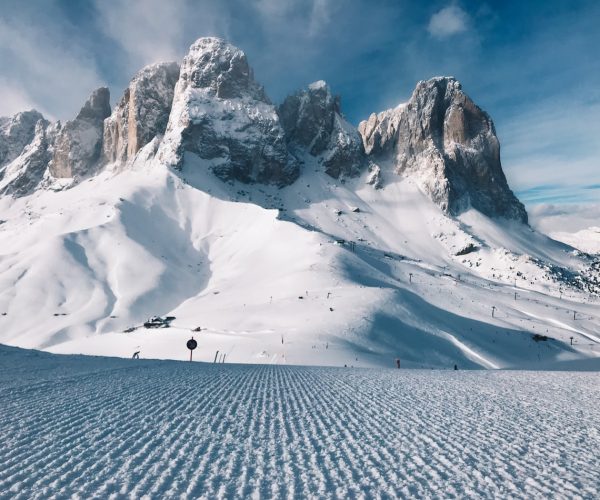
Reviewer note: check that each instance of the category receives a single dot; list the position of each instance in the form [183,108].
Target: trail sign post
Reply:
[191,345]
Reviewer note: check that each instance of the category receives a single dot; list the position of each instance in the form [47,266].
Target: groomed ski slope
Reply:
[72,426]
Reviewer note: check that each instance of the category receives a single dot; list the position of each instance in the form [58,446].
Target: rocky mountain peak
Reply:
[212,63]
[16,132]
[443,140]
[78,145]
[313,122]
[142,113]
[96,108]
[308,117]
[222,117]
[26,172]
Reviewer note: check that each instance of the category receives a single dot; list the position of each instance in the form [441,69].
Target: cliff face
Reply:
[448,145]
[78,145]
[16,133]
[313,123]
[223,116]
[142,112]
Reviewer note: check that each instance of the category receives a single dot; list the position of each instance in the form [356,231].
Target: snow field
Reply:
[113,428]
[252,265]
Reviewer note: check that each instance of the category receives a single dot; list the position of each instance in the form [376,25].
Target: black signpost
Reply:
[191,345]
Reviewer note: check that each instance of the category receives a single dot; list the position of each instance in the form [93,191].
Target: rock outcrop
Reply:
[142,112]
[78,146]
[16,133]
[223,117]
[448,145]
[26,172]
[313,122]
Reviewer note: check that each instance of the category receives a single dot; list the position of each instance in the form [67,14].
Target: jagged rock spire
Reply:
[313,122]
[142,112]
[443,140]
[223,117]
[78,145]
[15,133]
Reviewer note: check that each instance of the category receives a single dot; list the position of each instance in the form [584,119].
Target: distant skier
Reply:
[136,355]
[397,362]
[456,367]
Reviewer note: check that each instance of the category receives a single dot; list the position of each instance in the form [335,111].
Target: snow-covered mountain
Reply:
[283,232]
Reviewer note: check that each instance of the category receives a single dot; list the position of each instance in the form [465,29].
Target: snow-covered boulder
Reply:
[79,144]
[222,115]
[313,122]
[442,139]
[142,112]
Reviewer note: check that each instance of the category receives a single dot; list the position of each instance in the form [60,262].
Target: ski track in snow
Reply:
[113,428]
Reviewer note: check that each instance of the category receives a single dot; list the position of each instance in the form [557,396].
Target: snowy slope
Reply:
[75,427]
[270,276]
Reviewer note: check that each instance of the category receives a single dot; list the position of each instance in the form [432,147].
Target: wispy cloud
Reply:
[559,193]
[553,142]
[320,16]
[570,218]
[14,98]
[447,22]
[147,30]
[42,70]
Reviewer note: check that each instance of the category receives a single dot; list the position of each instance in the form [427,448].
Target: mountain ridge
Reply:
[466,174]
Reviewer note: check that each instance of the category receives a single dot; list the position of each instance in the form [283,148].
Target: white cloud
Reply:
[147,30]
[449,21]
[273,10]
[569,218]
[310,17]
[150,31]
[319,16]
[552,142]
[14,99]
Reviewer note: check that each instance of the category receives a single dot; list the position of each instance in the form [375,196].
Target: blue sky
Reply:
[533,65]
